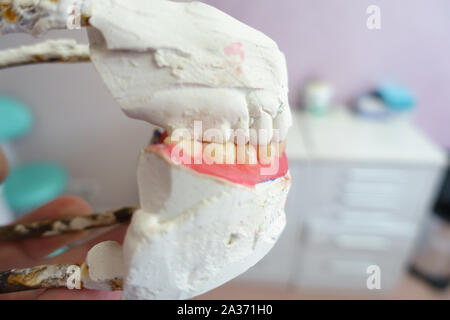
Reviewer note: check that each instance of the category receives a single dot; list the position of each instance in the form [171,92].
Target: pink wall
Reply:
[329,38]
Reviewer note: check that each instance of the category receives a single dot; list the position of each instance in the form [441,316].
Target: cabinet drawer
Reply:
[339,211]
[358,235]
[393,191]
[376,201]
[328,270]
[380,174]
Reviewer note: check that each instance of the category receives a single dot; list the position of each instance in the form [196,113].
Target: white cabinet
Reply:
[360,190]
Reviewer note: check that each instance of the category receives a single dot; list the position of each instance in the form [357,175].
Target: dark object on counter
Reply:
[432,260]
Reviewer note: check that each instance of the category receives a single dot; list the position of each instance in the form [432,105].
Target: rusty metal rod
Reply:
[52,276]
[70,276]
[47,228]
[50,51]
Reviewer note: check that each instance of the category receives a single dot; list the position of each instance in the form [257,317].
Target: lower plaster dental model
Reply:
[196,231]
[211,206]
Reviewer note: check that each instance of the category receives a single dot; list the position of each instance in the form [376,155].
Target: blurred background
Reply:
[368,151]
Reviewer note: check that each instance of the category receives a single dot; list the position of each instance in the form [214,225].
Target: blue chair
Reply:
[16,119]
[30,185]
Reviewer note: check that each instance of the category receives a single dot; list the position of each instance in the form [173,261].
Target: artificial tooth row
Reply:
[227,153]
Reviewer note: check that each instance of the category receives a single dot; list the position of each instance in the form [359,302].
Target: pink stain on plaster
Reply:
[235,49]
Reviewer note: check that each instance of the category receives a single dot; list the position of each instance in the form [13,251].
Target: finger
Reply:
[65,205]
[21,254]
[62,207]
[62,294]
[22,295]
[84,294]
[78,254]
[3,166]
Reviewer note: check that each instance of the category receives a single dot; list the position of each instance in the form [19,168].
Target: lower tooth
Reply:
[219,153]
[266,154]
[191,148]
[246,154]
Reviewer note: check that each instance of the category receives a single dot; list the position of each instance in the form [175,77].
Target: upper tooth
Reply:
[261,130]
[264,100]
[281,124]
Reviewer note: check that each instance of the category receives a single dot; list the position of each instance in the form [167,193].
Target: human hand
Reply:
[33,252]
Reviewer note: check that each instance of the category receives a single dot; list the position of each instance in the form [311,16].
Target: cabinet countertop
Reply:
[341,136]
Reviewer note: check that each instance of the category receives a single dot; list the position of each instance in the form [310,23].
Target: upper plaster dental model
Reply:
[173,63]
[200,224]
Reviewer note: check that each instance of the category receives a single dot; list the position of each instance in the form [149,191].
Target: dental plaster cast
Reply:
[171,64]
